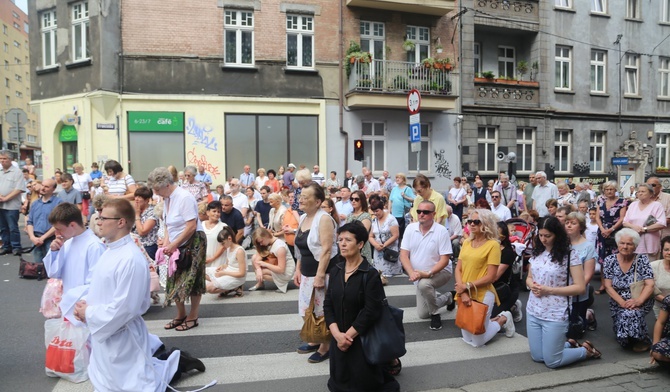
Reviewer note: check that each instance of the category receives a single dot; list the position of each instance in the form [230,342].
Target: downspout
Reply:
[121,72]
[341,92]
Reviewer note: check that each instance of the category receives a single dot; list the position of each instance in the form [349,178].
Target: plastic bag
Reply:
[68,352]
[53,292]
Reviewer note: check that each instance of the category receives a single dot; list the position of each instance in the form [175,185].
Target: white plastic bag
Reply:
[68,351]
[53,292]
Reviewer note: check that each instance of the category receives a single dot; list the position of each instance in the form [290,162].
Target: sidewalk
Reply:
[633,375]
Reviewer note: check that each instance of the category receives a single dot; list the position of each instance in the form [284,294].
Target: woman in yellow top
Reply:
[476,271]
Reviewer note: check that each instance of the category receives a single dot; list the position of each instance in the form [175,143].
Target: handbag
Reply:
[389,255]
[576,324]
[185,255]
[472,318]
[314,329]
[384,341]
[86,195]
[503,290]
[30,270]
[637,286]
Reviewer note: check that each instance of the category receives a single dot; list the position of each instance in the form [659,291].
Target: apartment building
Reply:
[567,85]
[15,79]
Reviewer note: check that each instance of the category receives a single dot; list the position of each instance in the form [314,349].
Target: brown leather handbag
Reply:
[314,329]
[472,318]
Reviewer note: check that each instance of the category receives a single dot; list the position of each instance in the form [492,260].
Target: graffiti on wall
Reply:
[202,134]
[192,158]
[441,164]
[47,166]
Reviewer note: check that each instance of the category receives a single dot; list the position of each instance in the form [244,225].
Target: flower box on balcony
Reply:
[530,83]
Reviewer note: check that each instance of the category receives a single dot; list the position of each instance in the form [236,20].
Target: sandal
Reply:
[394,370]
[175,323]
[186,326]
[239,292]
[573,343]
[595,354]
[601,290]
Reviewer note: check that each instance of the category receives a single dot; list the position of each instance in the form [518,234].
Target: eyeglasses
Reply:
[355,199]
[495,197]
[424,212]
[475,222]
[99,210]
[104,218]
[655,185]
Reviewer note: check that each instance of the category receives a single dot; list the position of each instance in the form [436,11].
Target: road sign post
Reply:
[413,106]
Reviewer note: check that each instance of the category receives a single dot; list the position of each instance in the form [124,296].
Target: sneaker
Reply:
[517,312]
[317,358]
[452,305]
[257,287]
[509,324]
[435,322]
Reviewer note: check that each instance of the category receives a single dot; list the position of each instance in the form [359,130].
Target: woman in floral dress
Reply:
[609,217]
[660,350]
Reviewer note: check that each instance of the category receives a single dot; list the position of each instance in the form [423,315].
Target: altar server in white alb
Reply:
[121,347]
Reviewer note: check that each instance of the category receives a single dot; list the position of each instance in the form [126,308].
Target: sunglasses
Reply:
[424,212]
[495,197]
[475,222]
[355,199]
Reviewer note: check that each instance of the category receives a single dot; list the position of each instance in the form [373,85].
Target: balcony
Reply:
[509,93]
[385,84]
[492,11]
[425,7]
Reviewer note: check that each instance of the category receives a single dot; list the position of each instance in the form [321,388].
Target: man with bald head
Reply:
[39,230]
[203,176]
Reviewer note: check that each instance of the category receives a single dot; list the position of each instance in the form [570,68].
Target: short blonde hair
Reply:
[260,170]
[275,197]
[403,177]
[303,175]
[77,165]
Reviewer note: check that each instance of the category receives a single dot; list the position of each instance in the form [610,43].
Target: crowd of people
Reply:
[318,233]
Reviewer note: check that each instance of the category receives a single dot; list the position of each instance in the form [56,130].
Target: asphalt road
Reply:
[248,343]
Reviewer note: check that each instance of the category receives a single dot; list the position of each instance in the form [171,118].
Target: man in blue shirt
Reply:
[232,217]
[40,231]
[203,176]
[246,178]
[263,207]
[95,171]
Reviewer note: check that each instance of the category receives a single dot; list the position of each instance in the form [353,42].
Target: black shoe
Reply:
[4,251]
[16,252]
[188,363]
[435,322]
[452,305]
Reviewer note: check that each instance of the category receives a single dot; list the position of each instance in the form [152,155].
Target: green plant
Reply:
[488,74]
[534,70]
[400,83]
[408,45]
[364,82]
[428,62]
[353,48]
[435,86]
[522,68]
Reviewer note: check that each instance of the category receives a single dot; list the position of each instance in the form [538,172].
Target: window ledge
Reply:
[632,96]
[237,67]
[569,92]
[596,94]
[600,14]
[633,20]
[664,23]
[663,98]
[79,64]
[46,70]
[301,70]
[571,10]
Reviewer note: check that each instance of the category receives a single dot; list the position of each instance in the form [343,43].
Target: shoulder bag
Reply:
[314,329]
[384,341]
[637,286]
[389,255]
[472,318]
[576,324]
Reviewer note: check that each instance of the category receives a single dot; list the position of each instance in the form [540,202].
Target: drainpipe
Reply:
[120,73]
[341,98]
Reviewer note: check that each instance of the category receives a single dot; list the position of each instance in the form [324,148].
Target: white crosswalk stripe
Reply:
[287,365]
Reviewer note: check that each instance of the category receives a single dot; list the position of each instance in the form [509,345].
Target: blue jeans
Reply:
[40,251]
[9,229]
[548,344]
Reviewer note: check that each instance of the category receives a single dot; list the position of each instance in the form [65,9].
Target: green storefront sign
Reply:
[155,122]
[68,133]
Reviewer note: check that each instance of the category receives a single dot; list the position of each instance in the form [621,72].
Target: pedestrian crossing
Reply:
[248,343]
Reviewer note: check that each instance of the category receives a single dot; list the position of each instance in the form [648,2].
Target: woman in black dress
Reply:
[351,308]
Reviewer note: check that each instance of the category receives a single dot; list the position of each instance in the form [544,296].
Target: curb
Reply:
[557,378]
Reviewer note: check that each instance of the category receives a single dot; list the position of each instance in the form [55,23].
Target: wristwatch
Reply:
[430,273]
[645,229]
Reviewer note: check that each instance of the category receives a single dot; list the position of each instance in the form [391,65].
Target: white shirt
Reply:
[502,212]
[372,185]
[318,178]
[240,201]
[81,181]
[455,226]
[542,193]
[121,348]
[345,208]
[180,208]
[425,250]
[591,232]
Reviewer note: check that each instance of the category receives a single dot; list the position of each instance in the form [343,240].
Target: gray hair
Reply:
[504,177]
[541,174]
[7,153]
[160,177]
[649,188]
[303,175]
[626,232]
[191,169]
[610,184]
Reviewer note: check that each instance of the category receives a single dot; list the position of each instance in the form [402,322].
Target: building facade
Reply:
[15,79]
[566,100]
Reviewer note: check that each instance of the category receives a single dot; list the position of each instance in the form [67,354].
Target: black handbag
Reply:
[185,256]
[390,255]
[384,341]
[503,290]
[30,270]
[86,195]
[576,324]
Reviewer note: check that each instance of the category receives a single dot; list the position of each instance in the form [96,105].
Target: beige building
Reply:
[15,79]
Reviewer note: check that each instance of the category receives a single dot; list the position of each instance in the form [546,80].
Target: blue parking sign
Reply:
[414,133]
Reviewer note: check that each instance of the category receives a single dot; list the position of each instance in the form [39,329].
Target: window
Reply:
[239,37]
[525,146]
[563,3]
[665,11]
[80,31]
[48,32]
[421,38]
[662,156]
[6,64]
[597,151]
[6,100]
[506,61]
[17,61]
[598,71]
[5,47]
[6,82]
[478,58]
[14,14]
[563,67]
[374,144]
[487,147]
[19,94]
[300,41]
[632,74]
[599,6]
[665,77]
[17,44]
[32,138]
[425,156]
[4,29]
[16,26]
[372,39]
[633,9]
[562,140]
[18,77]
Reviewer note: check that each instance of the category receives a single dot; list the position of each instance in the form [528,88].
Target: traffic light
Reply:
[358,150]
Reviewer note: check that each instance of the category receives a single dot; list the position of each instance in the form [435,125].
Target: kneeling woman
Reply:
[232,275]
[351,307]
[272,261]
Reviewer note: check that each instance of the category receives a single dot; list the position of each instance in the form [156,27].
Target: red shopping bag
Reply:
[68,352]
